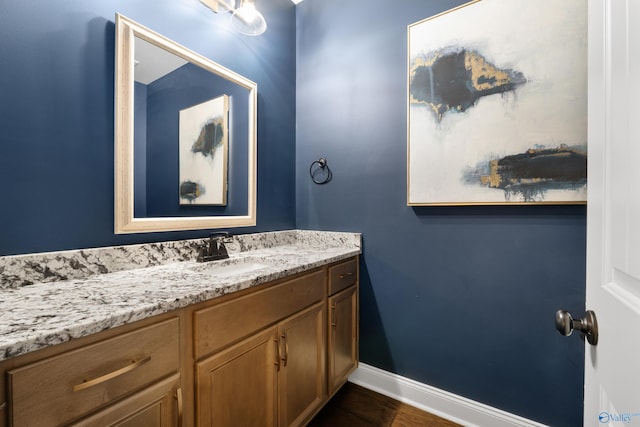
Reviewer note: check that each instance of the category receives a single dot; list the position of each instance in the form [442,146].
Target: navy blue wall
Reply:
[461,298]
[56,113]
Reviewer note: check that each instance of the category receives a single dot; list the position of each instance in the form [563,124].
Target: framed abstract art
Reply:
[497,104]
[203,139]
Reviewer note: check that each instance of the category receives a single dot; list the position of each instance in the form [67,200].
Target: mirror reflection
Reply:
[189,124]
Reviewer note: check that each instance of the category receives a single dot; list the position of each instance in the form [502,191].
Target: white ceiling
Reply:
[153,62]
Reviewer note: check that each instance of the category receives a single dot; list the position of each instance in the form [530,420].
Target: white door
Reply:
[612,367]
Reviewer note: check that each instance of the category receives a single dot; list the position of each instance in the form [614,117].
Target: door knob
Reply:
[565,324]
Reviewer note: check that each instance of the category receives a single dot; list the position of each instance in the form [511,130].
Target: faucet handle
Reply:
[222,236]
[215,250]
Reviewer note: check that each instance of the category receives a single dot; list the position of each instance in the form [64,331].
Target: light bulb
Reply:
[248,20]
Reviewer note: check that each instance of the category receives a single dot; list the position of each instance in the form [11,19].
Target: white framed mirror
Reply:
[185,127]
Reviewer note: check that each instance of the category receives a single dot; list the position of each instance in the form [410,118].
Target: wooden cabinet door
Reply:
[238,386]
[343,336]
[159,405]
[301,380]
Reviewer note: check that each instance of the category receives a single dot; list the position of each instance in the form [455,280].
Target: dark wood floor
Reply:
[355,406]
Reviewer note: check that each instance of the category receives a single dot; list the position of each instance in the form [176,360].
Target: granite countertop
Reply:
[39,314]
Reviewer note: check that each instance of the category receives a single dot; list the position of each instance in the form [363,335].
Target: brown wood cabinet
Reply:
[238,386]
[157,405]
[118,379]
[342,323]
[275,375]
[267,356]
[301,378]
[273,378]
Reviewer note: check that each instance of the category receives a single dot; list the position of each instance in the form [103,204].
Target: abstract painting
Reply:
[497,104]
[203,154]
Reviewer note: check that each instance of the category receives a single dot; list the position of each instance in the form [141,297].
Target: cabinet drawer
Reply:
[222,324]
[156,405]
[62,388]
[343,275]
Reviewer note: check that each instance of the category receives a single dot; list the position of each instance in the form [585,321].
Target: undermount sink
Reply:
[227,268]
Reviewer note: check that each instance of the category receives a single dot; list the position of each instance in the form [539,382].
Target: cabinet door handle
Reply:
[180,406]
[278,354]
[286,350]
[90,383]
[333,314]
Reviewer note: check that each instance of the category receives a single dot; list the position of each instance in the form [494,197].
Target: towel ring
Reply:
[322,165]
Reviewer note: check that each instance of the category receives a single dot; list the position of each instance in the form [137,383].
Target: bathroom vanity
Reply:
[265,337]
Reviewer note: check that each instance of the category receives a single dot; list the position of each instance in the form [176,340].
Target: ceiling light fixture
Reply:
[245,19]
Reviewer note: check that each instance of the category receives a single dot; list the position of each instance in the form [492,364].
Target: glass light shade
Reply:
[247,20]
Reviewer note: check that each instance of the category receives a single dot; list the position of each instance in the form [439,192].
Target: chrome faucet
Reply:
[216,249]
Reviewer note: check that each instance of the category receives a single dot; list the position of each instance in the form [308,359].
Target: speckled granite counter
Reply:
[47,299]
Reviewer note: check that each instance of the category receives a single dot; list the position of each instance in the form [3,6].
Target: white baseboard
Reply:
[438,402]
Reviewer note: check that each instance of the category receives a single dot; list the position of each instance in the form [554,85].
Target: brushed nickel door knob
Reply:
[588,326]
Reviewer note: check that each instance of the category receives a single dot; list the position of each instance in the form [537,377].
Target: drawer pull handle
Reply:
[342,276]
[278,356]
[3,405]
[333,314]
[114,374]
[286,350]
[180,407]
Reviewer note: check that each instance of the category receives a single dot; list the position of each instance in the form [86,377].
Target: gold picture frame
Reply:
[497,104]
